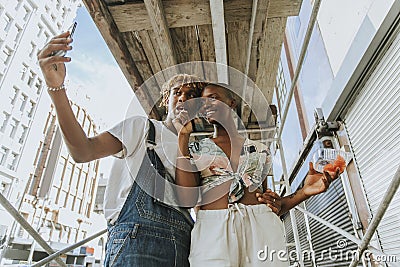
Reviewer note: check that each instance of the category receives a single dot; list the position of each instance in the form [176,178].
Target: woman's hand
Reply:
[182,123]
[271,199]
[316,183]
[53,67]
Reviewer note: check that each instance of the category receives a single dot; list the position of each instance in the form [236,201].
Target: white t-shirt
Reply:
[133,132]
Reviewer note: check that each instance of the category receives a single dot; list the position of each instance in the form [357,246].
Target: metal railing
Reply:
[35,235]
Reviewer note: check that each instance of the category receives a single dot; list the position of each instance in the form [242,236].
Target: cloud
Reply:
[101,88]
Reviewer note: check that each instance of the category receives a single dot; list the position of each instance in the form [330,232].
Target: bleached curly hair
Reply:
[178,81]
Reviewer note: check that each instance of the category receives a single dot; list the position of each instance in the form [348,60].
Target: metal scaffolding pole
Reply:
[18,217]
[313,19]
[291,212]
[390,192]
[338,230]
[67,249]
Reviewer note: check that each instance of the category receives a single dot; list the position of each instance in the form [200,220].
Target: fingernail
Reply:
[257,194]
[259,199]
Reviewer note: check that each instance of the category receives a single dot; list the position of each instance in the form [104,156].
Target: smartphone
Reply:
[71,30]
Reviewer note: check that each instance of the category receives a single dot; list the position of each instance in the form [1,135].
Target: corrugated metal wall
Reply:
[330,248]
[373,125]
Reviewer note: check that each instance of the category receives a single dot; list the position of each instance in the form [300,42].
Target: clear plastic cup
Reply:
[323,156]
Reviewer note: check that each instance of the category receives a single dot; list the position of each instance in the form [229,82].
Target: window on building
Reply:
[40,30]
[12,161]
[3,188]
[3,155]
[64,12]
[66,179]
[39,86]
[19,2]
[31,109]
[7,22]
[58,4]
[14,95]
[70,202]
[47,35]
[24,132]
[75,179]
[47,9]
[32,53]
[62,197]
[27,13]
[78,204]
[6,54]
[18,31]
[4,123]
[31,79]
[24,70]
[13,127]
[24,100]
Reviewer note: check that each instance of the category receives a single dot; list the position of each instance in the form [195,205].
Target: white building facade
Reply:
[26,25]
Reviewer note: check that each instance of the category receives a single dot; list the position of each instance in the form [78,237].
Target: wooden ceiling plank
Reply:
[150,87]
[237,36]
[181,13]
[186,45]
[109,30]
[159,24]
[206,41]
[152,57]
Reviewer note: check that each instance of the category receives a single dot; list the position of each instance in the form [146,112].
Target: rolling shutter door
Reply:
[330,206]
[373,125]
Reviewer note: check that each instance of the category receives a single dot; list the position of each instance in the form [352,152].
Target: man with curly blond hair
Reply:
[142,230]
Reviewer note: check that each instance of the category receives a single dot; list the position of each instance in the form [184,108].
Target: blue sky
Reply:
[95,79]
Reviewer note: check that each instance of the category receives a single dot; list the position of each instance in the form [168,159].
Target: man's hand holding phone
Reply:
[71,31]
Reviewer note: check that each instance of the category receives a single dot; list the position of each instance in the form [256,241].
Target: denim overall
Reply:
[147,232]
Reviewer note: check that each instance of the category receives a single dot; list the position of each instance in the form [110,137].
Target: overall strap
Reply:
[159,184]
[151,137]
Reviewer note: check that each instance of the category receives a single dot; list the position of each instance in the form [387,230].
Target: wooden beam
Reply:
[218,25]
[109,30]
[150,86]
[270,52]
[159,24]
[207,51]
[187,49]
[182,13]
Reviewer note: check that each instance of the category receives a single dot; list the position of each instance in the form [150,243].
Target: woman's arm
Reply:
[81,148]
[314,184]
[186,175]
